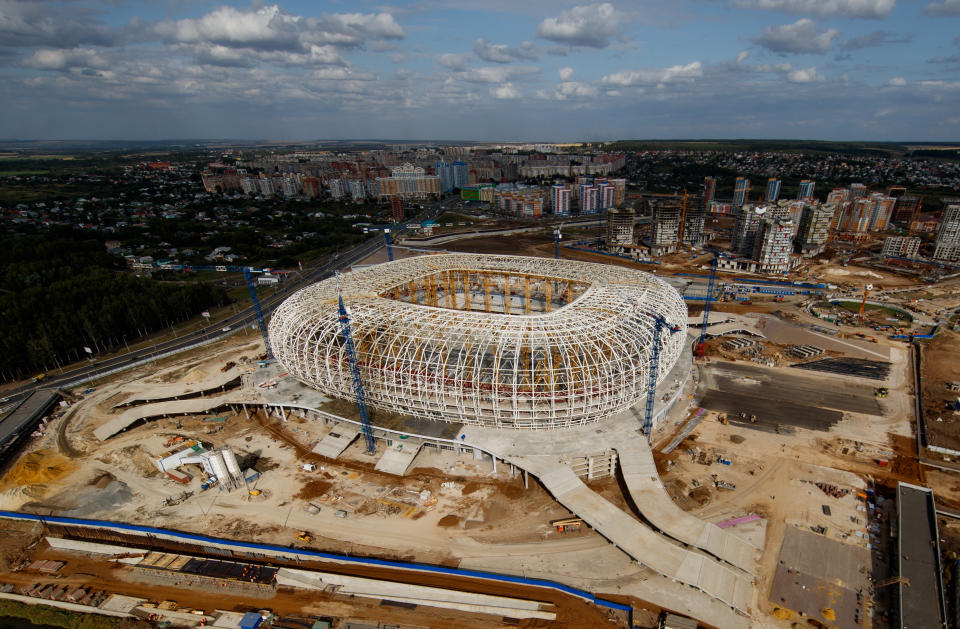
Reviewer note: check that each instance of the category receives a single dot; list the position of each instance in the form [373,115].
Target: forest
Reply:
[60,293]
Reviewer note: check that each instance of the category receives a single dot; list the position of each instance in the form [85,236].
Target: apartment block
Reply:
[619,227]
[813,231]
[947,243]
[901,247]
[745,226]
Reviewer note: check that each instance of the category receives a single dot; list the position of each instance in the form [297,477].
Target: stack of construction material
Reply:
[738,343]
[805,351]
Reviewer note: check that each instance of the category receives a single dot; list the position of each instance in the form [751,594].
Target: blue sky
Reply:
[508,70]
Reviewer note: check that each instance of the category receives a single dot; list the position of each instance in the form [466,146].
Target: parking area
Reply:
[821,579]
[784,398]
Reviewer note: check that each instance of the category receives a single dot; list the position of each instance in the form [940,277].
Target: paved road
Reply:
[242,318]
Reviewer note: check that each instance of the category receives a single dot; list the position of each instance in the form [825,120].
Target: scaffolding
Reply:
[486,340]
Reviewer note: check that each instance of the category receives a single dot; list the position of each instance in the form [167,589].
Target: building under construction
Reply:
[665,215]
[619,227]
[464,338]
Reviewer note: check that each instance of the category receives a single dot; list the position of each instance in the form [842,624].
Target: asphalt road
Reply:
[242,318]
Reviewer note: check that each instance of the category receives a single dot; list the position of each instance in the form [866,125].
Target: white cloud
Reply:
[875,9]
[742,56]
[805,75]
[897,81]
[947,7]
[573,89]
[48,59]
[502,53]
[498,74]
[453,61]
[655,76]
[272,28]
[591,25]
[504,92]
[803,36]
[565,73]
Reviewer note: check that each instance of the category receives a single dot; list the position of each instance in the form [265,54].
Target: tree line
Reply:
[60,295]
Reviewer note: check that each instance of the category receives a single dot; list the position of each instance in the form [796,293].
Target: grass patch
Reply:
[854,306]
[47,615]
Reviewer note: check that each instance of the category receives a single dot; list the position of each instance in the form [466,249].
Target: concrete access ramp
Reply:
[722,582]
[337,440]
[220,381]
[398,457]
[654,503]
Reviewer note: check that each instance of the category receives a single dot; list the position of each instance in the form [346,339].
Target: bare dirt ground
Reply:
[940,366]
[91,572]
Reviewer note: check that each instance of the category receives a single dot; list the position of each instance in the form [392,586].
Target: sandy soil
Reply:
[940,366]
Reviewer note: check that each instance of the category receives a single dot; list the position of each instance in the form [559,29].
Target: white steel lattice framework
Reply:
[490,340]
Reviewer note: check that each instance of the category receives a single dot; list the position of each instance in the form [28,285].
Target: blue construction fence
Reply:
[253,546]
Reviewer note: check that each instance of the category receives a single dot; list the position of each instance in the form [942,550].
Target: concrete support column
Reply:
[494,463]
[477,454]
[526,480]
[590,464]
[513,470]
[245,413]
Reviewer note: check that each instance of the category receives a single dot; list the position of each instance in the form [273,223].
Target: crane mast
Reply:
[658,324]
[701,342]
[355,371]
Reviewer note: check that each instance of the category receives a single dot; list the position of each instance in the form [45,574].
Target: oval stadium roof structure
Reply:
[489,340]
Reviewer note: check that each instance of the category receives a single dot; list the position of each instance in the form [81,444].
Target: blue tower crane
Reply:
[701,342]
[386,237]
[355,370]
[658,324]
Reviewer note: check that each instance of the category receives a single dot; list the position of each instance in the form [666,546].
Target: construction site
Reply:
[479,439]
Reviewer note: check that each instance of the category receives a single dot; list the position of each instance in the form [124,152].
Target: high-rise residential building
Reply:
[694,222]
[741,189]
[620,191]
[445,173]
[947,243]
[606,195]
[745,226]
[619,227]
[805,190]
[773,190]
[906,208]
[358,191]
[311,187]
[461,176]
[589,199]
[773,245]
[901,247]
[709,190]
[881,211]
[856,216]
[857,190]
[519,201]
[664,224]
[408,181]
[337,188]
[814,229]
[560,200]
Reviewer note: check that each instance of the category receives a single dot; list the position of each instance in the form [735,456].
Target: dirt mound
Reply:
[314,489]
[449,520]
[470,487]
[194,376]
[41,466]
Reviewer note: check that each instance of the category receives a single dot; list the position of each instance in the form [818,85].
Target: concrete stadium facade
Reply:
[502,341]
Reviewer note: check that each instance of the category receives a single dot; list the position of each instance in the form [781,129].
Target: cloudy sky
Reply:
[545,70]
